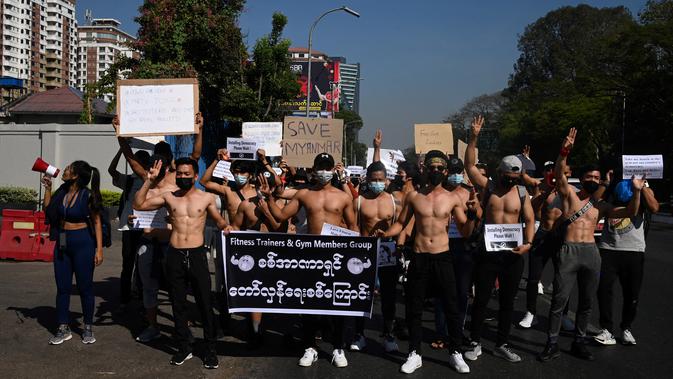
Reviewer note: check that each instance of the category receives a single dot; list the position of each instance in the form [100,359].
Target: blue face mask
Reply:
[241,180]
[377,187]
[455,179]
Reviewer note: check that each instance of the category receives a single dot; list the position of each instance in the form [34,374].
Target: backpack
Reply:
[105,224]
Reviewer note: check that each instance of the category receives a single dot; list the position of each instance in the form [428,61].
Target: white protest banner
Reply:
[500,237]
[389,158]
[268,135]
[433,137]
[333,230]
[462,148]
[157,107]
[650,165]
[150,219]
[355,171]
[241,148]
[223,171]
[387,255]
[304,138]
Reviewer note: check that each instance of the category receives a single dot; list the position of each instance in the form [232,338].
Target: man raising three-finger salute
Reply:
[579,259]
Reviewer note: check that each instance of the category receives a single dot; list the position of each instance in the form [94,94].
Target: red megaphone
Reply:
[46,168]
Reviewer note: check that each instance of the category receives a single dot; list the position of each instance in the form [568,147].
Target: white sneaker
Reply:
[390,345]
[358,344]
[627,338]
[474,351]
[506,353]
[456,361]
[540,288]
[339,358]
[414,362]
[309,357]
[528,320]
[605,338]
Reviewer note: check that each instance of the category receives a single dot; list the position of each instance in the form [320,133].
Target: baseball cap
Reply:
[455,166]
[323,161]
[510,163]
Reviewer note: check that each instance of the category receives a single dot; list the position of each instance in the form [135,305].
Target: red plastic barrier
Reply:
[24,236]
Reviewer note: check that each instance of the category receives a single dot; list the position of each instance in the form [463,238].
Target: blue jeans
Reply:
[77,257]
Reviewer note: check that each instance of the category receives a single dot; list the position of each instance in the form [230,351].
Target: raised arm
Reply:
[198,138]
[471,154]
[634,205]
[562,185]
[136,167]
[651,202]
[466,217]
[112,170]
[378,138]
[140,201]
[206,179]
[281,215]
[264,161]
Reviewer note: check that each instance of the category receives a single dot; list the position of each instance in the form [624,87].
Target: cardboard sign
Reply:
[241,148]
[462,148]
[387,254]
[157,107]
[389,158]
[433,137]
[150,219]
[503,237]
[223,171]
[304,138]
[268,135]
[650,165]
[333,230]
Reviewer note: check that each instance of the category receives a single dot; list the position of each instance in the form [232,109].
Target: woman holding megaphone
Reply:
[73,215]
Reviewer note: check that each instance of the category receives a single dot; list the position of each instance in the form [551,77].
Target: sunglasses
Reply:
[436,168]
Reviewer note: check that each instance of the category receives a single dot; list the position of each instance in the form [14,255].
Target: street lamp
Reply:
[310,34]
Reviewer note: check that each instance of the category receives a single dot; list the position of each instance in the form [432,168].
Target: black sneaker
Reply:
[210,361]
[551,351]
[579,349]
[180,357]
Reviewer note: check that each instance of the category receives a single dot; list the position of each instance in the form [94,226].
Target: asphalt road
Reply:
[27,315]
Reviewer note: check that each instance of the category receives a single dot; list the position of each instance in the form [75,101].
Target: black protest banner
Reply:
[300,274]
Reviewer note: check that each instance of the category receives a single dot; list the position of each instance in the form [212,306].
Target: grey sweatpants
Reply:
[579,262]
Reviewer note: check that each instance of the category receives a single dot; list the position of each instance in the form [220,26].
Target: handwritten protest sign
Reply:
[389,158]
[223,171]
[462,148]
[433,137]
[157,107]
[304,138]
[499,237]
[150,219]
[334,230]
[355,171]
[650,165]
[268,135]
[240,148]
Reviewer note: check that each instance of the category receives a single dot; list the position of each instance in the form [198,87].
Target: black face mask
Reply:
[590,186]
[436,177]
[508,182]
[184,184]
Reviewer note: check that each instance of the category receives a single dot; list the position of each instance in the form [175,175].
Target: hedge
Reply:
[17,195]
[110,198]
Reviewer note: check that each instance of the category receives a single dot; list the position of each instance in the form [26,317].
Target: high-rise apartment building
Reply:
[349,81]
[38,43]
[100,43]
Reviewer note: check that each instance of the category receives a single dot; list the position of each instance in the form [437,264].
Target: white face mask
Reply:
[324,176]
[241,180]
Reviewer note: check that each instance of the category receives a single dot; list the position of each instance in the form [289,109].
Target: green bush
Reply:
[17,195]
[110,198]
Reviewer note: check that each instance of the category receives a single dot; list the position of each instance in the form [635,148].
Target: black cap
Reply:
[323,161]
[455,166]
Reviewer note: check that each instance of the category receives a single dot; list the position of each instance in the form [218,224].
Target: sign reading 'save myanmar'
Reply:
[306,137]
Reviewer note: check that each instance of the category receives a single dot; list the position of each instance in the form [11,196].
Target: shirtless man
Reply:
[186,256]
[376,209]
[504,201]
[431,262]
[579,259]
[323,204]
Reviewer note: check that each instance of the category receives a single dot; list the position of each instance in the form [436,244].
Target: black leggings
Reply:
[627,267]
[507,267]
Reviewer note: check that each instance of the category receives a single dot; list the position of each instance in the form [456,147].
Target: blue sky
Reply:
[421,60]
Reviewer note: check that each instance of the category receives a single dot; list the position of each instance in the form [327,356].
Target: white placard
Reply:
[278,171]
[333,230]
[355,171]
[499,237]
[389,158]
[150,219]
[650,165]
[223,171]
[387,255]
[241,148]
[160,109]
[267,134]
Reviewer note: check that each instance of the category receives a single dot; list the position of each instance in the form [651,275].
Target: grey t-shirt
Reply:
[624,234]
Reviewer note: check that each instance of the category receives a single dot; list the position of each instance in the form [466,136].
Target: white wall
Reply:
[59,145]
